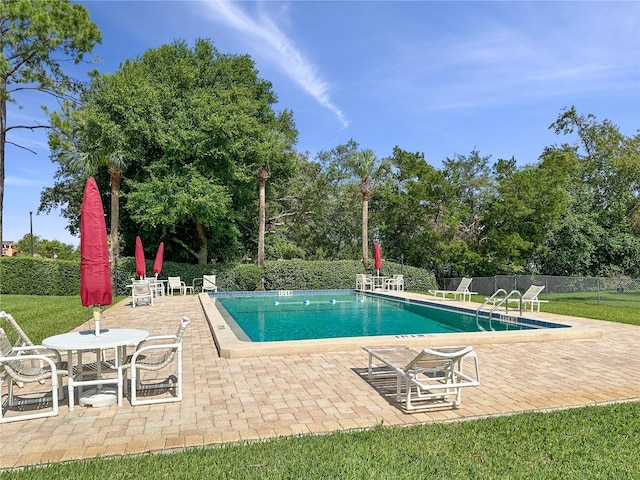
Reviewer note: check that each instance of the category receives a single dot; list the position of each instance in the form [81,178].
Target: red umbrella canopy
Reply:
[377,256]
[157,265]
[141,266]
[95,277]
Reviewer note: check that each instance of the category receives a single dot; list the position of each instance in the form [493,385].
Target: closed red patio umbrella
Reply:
[95,276]
[141,266]
[377,257]
[157,265]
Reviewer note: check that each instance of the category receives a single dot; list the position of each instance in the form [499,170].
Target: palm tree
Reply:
[365,166]
[263,176]
[276,158]
[115,163]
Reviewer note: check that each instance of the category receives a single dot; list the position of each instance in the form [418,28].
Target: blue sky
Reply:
[441,78]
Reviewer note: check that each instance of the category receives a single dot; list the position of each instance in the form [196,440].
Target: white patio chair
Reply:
[141,292]
[174,283]
[23,340]
[153,355]
[363,282]
[395,283]
[209,283]
[20,368]
[157,287]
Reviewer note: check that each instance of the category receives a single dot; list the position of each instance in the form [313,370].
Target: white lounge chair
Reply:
[141,292]
[426,378]
[461,292]
[174,283]
[20,367]
[153,355]
[530,297]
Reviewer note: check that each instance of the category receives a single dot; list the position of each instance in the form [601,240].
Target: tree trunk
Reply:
[365,230]
[3,139]
[114,251]
[204,246]
[263,175]
[178,241]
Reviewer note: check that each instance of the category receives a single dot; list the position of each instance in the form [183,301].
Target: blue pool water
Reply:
[335,314]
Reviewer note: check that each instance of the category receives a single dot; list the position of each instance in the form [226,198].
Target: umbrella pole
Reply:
[97,315]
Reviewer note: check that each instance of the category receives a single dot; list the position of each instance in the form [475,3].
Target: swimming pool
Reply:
[307,315]
[233,342]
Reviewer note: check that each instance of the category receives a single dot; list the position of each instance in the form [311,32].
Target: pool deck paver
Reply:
[230,400]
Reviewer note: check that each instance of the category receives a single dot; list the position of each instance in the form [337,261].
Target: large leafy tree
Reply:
[599,234]
[179,200]
[193,128]
[47,248]
[471,179]
[314,216]
[528,202]
[608,164]
[419,213]
[36,38]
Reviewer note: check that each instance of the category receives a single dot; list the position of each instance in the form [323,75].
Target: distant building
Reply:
[9,249]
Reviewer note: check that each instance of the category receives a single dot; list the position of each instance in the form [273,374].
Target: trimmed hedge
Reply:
[38,276]
[318,275]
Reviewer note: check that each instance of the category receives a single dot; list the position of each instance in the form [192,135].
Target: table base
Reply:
[98,398]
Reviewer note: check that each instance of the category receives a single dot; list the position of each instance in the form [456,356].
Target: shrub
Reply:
[38,276]
[26,275]
[340,274]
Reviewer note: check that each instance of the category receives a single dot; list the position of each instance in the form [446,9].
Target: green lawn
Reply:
[599,442]
[40,316]
[592,442]
[620,310]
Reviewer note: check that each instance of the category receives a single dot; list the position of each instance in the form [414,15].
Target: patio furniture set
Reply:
[60,357]
[379,283]
[143,291]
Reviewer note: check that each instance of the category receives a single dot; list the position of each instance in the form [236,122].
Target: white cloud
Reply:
[274,44]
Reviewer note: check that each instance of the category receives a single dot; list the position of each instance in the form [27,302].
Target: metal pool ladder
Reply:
[503,301]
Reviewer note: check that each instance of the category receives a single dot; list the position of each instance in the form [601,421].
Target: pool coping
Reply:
[229,345]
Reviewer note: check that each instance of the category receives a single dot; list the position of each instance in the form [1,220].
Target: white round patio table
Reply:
[109,338]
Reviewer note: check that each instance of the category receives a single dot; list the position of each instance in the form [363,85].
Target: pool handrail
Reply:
[503,301]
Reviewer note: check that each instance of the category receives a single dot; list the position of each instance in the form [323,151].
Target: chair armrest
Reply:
[164,346]
[23,358]
[154,338]
[28,348]
[158,337]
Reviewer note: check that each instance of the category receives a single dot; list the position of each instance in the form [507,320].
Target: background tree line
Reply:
[188,148]
[574,212]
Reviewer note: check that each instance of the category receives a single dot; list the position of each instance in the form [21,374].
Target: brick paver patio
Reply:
[228,400]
